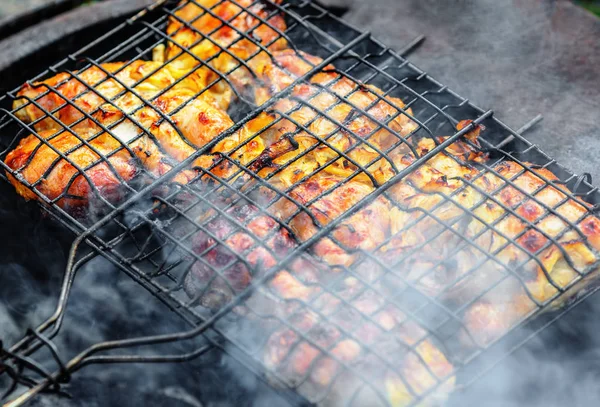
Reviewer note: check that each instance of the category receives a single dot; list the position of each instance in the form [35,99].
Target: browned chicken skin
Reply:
[195,120]
[227,25]
[125,150]
[59,178]
[92,87]
[106,104]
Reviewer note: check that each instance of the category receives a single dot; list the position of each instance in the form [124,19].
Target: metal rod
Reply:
[526,127]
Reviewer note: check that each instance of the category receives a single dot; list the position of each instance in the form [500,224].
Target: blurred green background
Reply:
[591,5]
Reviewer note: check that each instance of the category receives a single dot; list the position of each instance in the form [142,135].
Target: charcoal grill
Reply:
[140,235]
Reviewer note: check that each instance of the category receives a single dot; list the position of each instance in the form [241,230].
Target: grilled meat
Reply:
[442,185]
[331,198]
[106,161]
[331,115]
[132,145]
[228,28]
[198,120]
[92,87]
[350,336]
[453,227]
[329,106]
[233,248]
[197,123]
[59,179]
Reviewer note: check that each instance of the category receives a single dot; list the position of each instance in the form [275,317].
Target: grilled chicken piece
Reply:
[445,204]
[325,198]
[57,179]
[228,27]
[232,255]
[341,341]
[193,122]
[125,150]
[198,120]
[329,108]
[329,115]
[539,266]
[147,79]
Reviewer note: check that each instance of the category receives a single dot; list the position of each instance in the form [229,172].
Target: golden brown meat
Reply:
[199,119]
[195,122]
[331,115]
[328,107]
[448,217]
[327,198]
[228,27]
[435,228]
[539,266]
[140,75]
[364,340]
[58,179]
[37,163]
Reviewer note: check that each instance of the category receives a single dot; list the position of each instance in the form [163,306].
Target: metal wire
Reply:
[181,244]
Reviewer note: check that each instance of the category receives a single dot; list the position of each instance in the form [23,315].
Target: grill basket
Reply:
[407,305]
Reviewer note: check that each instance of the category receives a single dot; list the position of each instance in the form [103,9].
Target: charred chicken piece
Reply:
[362,351]
[232,255]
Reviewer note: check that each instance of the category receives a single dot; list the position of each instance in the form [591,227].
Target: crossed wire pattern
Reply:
[338,217]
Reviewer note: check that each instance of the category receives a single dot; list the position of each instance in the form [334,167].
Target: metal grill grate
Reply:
[363,242]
